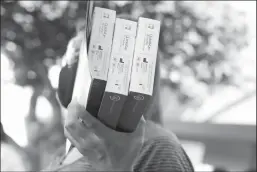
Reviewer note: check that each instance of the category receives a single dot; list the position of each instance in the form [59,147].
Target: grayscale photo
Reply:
[135,86]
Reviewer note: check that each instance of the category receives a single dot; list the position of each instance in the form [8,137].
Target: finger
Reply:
[74,130]
[73,113]
[141,123]
[85,141]
[78,114]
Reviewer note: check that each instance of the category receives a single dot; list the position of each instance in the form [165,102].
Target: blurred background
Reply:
[207,52]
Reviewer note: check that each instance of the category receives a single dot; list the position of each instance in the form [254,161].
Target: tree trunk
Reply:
[33,131]
[57,121]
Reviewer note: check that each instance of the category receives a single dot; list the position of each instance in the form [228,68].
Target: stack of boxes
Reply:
[121,60]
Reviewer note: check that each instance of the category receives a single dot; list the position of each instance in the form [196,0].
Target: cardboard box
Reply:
[99,55]
[119,73]
[142,76]
[83,77]
[91,77]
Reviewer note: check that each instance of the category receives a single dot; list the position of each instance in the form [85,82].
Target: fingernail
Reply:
[84,123]
[81,121]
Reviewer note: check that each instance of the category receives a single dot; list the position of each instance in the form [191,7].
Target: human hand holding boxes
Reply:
[128,87]
[107,84]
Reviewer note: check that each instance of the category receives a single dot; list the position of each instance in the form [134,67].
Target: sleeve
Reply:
[80,165]
[163,154]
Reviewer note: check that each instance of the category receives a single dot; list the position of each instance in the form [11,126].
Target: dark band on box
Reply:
[95,96]
[133,109]
[110,109]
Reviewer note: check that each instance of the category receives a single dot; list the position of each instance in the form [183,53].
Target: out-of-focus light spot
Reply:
[49,52]
[53,75]
[2,11]
[46,8]
[27,27]
[19,18]
[187,21]
[177,60]
[54,11]
[36,42]
[194,37]
[11,35]
[174,76]
[59,61]
[30,5]
[15,102]
[48,62]
[7,73]
[163,72]
[28,18]
[165,6]
[31,74]
[187,48]
[63,4]
[10,46]
[168,22]
[121,3]
[11,160]
[44,110]
[73,5]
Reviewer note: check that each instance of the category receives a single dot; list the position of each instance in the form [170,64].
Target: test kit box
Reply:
[83,77]
[142,75]
[99,55]
[93,64]
[119,73]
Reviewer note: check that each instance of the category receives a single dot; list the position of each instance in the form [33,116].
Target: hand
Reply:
[112,149]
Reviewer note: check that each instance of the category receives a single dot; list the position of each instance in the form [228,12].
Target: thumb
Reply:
[79,135]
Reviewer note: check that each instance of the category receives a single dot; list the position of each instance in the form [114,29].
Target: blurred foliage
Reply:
[199,42]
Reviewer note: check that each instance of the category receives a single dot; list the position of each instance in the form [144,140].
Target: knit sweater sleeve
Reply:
[163,153]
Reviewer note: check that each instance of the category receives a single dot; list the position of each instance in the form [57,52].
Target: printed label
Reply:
[143,70]
[121,57]
[101,42]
